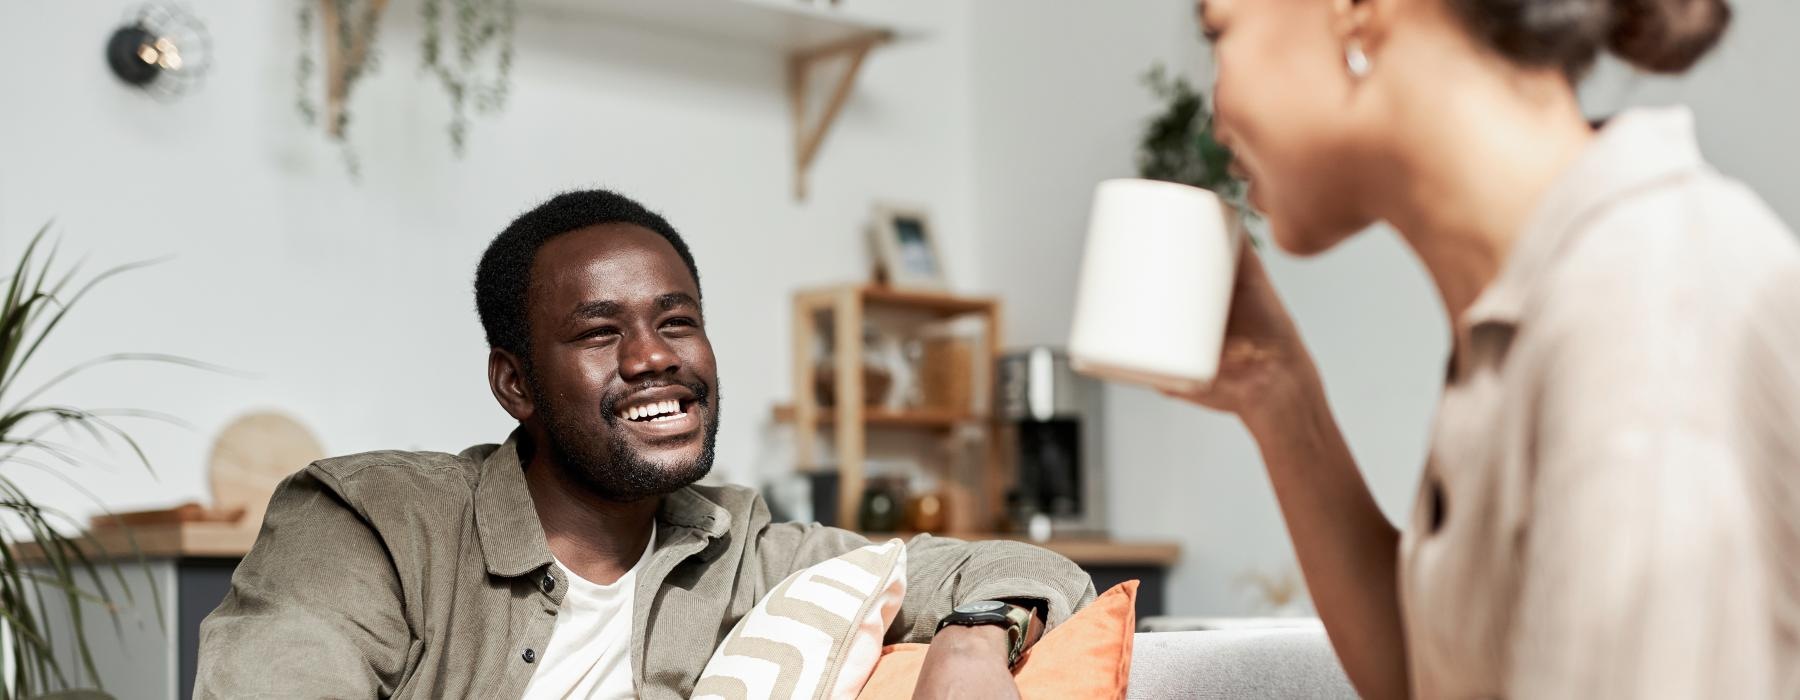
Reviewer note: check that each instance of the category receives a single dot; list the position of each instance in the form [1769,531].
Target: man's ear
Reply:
[506,377]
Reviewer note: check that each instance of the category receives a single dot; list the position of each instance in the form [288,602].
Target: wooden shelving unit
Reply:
[849,417]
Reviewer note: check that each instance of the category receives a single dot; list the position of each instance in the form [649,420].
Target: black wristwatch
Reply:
[1015,618]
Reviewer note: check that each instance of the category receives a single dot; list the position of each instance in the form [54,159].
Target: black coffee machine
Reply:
[1053,421]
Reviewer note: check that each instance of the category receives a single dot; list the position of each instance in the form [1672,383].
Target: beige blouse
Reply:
[1612,503]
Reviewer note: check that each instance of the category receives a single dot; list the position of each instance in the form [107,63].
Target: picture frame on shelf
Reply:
[907,255]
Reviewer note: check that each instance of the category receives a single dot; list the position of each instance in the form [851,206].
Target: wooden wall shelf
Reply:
[808,36]
[787,26]
[940,303]
[886,417]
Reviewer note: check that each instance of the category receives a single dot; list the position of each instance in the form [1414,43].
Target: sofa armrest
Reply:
[1254,663]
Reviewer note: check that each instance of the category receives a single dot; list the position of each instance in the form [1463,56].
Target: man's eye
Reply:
[600,332]
[682,321]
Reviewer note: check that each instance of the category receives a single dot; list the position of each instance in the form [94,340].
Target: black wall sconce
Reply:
[160,49]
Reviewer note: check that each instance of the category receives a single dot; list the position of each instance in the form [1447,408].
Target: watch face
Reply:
[980,606]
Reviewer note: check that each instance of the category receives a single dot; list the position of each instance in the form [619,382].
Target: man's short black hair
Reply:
[504,275]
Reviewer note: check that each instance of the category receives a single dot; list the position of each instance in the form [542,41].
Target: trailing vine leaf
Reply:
[469,50]
[350,37]
[477,78]
[306,66]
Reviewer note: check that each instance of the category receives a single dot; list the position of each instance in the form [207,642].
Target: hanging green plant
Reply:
[467,45]
[1178,144]
[477,70]
[349,28]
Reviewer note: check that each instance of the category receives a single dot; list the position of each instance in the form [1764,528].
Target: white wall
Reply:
[351,301]
[1058,108]
[1743,96]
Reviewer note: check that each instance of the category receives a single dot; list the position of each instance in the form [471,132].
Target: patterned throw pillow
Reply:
[816,635]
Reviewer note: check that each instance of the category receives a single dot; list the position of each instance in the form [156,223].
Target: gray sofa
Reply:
[1244,663]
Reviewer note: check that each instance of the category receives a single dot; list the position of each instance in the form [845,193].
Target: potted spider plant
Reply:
[39,561]
[1178,143]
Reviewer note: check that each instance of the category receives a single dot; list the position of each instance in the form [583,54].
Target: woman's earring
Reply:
[1356,60]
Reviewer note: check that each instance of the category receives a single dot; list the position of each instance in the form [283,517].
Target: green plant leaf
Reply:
[12,370]
[130,538]
[1178,144]
[110,359]
[36,300]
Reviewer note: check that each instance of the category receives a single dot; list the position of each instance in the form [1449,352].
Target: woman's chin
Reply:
[1301,237]
[1294,240]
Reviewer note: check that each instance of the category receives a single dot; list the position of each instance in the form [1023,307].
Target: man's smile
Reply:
[660,416]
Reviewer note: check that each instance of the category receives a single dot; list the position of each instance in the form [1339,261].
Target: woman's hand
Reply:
[1264,363]
[1347,548]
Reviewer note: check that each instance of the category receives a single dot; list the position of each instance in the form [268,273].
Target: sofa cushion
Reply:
[1254,663]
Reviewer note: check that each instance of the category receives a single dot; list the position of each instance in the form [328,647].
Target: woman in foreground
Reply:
[1611,506]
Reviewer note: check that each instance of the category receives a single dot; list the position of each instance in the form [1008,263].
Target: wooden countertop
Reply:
[229,541]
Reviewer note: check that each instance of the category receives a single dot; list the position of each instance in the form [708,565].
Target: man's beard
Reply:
[609,467]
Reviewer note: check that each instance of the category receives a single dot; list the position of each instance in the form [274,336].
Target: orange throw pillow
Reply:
[1087,656]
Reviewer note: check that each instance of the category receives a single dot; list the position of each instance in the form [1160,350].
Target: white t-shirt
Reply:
[589,654]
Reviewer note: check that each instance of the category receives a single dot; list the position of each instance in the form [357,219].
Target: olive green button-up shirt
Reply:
[426,575]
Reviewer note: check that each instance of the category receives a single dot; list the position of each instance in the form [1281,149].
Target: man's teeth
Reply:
[651,410]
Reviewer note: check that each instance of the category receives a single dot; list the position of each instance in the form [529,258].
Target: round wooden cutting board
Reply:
[250,458]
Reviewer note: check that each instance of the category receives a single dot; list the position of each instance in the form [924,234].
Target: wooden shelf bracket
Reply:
[810,130]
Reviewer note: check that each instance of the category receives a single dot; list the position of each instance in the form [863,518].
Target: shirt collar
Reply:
[512,539]
[1638,149]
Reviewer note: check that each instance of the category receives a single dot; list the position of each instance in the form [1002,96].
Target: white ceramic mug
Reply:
[1155,287]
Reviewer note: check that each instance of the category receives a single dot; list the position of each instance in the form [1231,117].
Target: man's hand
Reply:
[967,662]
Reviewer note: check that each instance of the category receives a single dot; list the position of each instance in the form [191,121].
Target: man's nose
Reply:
[647,355]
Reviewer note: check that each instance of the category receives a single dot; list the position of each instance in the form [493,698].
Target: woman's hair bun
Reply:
[1666,36]
[1663,36]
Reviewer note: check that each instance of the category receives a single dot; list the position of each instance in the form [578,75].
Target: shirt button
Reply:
[529,656]
[549,583]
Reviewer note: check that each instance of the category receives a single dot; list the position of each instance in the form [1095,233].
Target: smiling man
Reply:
[579,558]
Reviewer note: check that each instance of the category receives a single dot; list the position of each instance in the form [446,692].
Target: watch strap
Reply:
[1015,618]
